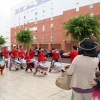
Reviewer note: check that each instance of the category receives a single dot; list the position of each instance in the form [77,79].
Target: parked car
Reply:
[49,54]
[65,56]
[61,52]
[36,52]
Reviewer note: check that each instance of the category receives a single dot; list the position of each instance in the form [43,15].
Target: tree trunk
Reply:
[26,47]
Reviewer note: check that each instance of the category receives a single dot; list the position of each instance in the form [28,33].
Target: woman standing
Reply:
[82,70]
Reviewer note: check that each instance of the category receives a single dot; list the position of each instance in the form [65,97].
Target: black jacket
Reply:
[98,80]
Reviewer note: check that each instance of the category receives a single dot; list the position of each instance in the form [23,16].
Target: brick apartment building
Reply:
[44,18]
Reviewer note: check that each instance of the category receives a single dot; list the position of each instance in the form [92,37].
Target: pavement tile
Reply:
[2,98]
[21,85]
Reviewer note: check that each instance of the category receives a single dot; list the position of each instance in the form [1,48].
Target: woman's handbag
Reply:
[63,81]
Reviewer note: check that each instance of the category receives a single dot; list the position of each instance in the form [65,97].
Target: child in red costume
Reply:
[55,58]
[14,55]
[41,58]
[96,85]
[31,53]
[5,54]
[2,65]
[28,61]
[21,54]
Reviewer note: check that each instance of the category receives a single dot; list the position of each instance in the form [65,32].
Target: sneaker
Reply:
[42,72]
[35,72]
[10,69]
[21,67]
[50,70]
[17,69]
[45,73]
[31,70]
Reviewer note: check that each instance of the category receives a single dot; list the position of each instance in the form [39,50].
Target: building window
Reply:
[51,27]
[43,28]
[91,5]
[43,20]
[35,20]
[51,37]
[91,14]
[15,34]
[35,29]
[35,13]
[35,38]
[36,2]
[19,17]
[77,7]
[15,40]
[51,9]
[51,18]
[24,17]
[24,24]
[43,11]
[43,37]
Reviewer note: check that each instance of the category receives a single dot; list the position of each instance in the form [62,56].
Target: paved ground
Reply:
[21,85]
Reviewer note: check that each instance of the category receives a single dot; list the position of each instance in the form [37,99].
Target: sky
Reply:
[6,5]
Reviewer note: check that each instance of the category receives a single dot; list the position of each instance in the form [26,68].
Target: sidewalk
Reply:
[21,85]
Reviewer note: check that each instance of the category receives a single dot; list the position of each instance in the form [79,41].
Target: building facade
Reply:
[5,30]
[45,17]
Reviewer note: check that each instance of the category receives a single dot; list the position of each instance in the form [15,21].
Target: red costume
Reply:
[14,53]
[27,58]
[5,53]
[21,53]
[73,54]
[41,56]
[55,55]
[31,53]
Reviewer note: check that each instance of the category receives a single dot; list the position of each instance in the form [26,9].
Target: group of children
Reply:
[15,53]
[19,53]
[42,59]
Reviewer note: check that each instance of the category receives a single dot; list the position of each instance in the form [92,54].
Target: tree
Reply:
[83,26]
[24,37]
[2,40]
[97,17]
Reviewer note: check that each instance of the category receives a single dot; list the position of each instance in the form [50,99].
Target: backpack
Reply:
[98,56]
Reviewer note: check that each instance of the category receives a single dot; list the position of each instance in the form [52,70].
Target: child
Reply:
[2,64]
[96,92]
[55,58]
[28,61]
[41,59]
